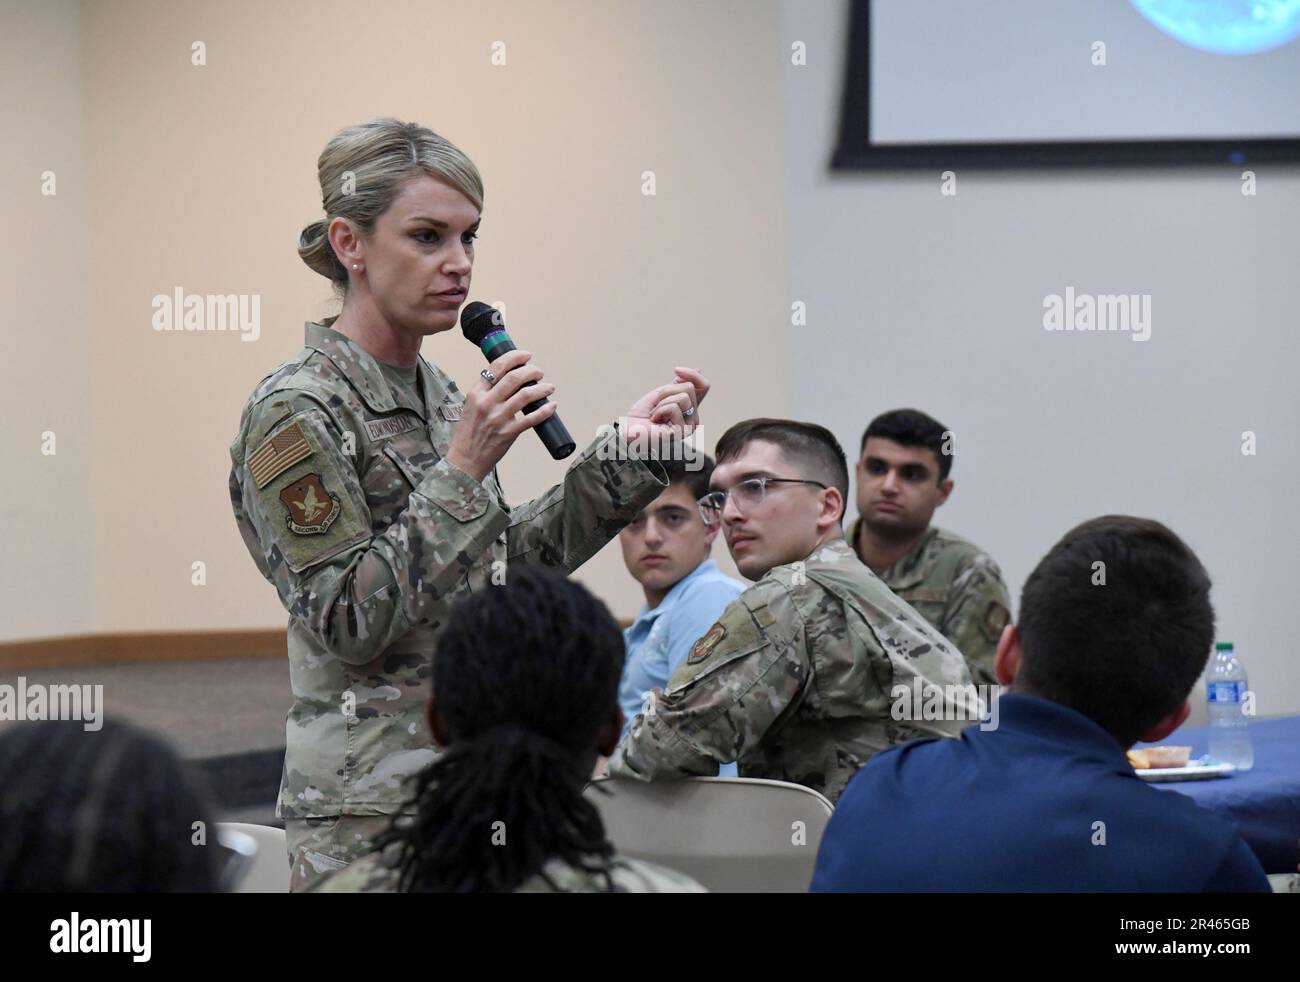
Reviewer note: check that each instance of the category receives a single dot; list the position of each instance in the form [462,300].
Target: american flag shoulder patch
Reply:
[277,454]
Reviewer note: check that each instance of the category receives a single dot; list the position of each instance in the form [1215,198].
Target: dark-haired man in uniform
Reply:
[902,477]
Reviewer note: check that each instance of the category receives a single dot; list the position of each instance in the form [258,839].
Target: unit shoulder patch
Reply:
[706,644]
[311,506]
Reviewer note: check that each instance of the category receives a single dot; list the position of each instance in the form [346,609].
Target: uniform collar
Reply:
[362,370]
[906,571]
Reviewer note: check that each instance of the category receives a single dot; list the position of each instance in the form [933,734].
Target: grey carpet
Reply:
[226,716]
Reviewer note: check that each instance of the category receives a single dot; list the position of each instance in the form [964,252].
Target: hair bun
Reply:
[315,250]
[313,233]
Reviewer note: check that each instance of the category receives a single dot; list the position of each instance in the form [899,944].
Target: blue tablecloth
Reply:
[1264,801]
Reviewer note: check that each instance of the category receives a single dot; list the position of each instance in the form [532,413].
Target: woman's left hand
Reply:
[670,410]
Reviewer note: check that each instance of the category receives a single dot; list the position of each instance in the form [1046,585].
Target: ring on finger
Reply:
[690,411]
[488,377]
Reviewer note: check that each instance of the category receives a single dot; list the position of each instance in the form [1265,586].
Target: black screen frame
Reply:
[855,151]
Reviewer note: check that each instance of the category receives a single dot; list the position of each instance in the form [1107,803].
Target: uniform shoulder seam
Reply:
[769,585]
[314,403]
[770,588]
[284,386]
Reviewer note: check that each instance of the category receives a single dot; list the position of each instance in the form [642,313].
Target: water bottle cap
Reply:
[1223,646]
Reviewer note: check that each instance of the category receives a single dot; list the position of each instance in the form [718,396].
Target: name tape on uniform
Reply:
[378,429]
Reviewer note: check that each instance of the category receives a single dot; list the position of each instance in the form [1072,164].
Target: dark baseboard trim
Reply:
[101,649]
[113,649]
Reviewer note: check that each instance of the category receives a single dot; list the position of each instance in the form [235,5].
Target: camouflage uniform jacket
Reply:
[796,681]
[957,587]
[348,507]
[377,873]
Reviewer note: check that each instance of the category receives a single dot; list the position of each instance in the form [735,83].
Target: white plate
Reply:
[1192,772]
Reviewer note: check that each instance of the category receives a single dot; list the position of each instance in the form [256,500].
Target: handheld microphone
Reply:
[484,327]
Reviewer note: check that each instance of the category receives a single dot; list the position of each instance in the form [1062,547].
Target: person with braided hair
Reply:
[525,697]
[111,811]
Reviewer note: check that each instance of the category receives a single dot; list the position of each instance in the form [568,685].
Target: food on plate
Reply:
[1159,757]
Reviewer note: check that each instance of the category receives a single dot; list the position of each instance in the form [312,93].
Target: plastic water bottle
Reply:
[1225,688]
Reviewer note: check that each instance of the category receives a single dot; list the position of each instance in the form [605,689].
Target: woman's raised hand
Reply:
[488,427]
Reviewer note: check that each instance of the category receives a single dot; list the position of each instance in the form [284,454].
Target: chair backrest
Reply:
[730,834]
[268,867]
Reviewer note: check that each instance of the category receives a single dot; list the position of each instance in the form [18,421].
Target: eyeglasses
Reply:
[746,494]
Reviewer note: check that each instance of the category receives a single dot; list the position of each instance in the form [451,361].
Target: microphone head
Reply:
[478,320]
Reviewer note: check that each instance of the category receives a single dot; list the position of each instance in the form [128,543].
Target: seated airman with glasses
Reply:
[796,681]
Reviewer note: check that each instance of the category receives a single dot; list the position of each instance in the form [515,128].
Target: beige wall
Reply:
[943,298]
[201,177]
[47,505]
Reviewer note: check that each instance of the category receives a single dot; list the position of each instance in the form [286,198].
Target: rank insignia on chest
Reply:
[312,507]
[706,644]
[452,411]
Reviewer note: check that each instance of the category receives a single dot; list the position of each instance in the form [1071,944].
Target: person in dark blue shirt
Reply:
[1115,628]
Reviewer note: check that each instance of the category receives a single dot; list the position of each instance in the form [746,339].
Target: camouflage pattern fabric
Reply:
[958,588]
[348,507]
[796,680]
[317,846]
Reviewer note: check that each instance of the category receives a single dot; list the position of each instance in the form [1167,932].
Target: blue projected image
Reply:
[1225,27]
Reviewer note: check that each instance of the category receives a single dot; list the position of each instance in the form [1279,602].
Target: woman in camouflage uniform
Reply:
[365,486]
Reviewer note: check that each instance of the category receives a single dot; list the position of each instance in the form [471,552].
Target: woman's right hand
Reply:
[488,425]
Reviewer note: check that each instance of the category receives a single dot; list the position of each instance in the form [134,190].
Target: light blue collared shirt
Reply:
[660,639]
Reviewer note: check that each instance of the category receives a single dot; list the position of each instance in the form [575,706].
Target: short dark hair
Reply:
[1125,654]
[911,428]
[813,448]
[697,481]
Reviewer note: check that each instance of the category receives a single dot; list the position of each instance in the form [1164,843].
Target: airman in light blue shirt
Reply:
[666,549]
